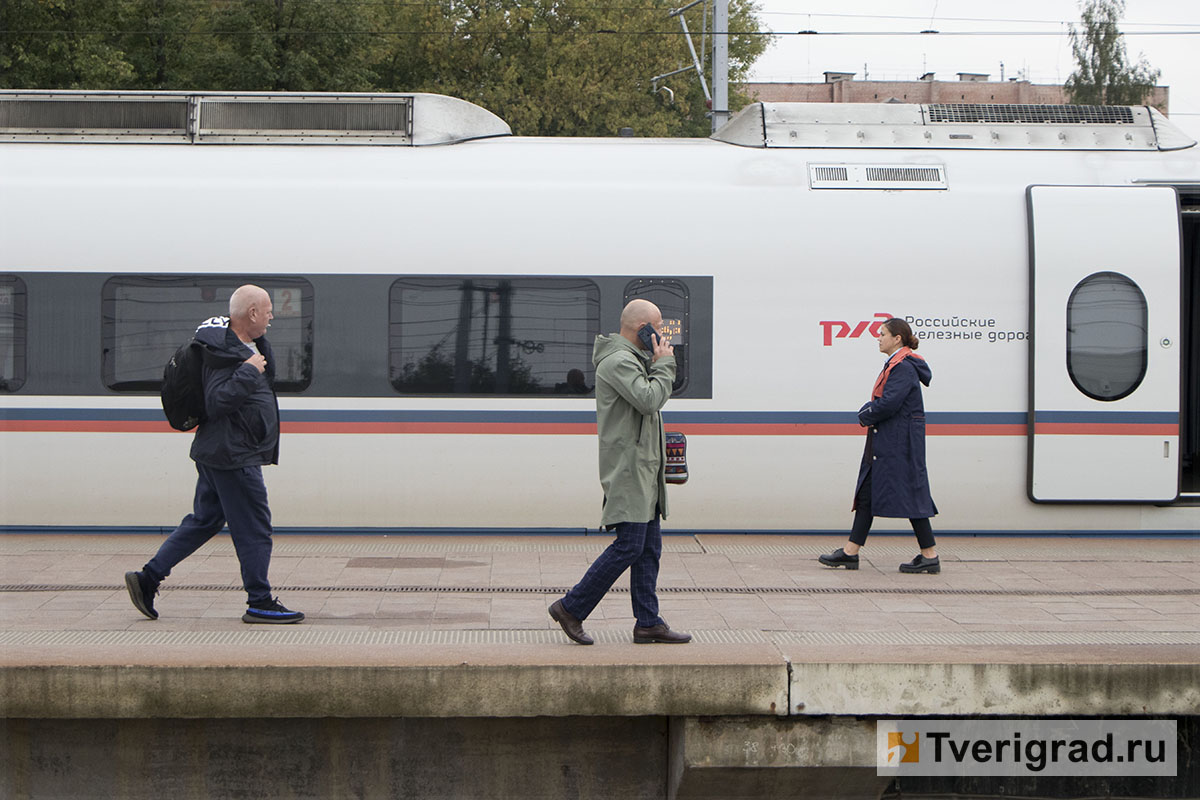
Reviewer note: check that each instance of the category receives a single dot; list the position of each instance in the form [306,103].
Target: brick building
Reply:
[840,87]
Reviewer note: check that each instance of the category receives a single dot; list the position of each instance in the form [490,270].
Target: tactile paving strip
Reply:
[954,549]
[311,635]
[317,635]
[384,546]
[987,637]
[969,550]
[413,589]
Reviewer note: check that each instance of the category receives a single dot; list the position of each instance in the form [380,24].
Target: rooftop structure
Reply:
[245,117]
[956,125]
[971,87]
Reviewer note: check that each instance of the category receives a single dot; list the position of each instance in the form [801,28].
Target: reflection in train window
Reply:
[12,333]
[671,297]
[145,319]
[1106,336]
[493,335]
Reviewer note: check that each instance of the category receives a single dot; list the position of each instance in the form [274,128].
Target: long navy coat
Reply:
[895,450]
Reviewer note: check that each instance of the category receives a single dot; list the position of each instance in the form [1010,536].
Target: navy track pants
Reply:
[238,496]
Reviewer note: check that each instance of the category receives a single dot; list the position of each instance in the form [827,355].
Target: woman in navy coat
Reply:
[892,479]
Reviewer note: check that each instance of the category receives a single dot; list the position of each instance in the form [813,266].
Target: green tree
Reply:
[1103,75]
[554,68]
[60,44]
[161,43]
[284,46]
[411,46]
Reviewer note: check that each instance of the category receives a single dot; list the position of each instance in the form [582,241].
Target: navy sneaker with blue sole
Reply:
[271,612]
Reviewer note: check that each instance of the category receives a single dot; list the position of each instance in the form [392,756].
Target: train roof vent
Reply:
[242,118]
[877,176]
[285,117]
[977,126]
[74,116]
[1030,114]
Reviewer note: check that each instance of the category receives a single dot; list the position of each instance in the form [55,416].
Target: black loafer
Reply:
[838,558]
[659,634]
[572,627]
[922,564]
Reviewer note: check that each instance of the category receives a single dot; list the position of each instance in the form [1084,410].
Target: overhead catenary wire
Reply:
[549,32]
[627,6]
[1021,21]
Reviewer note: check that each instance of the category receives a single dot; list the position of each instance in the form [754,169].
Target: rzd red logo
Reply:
[843,329]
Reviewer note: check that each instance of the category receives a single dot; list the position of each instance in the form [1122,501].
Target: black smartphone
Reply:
[647,336]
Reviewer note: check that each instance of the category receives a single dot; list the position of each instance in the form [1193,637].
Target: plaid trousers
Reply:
[637,548]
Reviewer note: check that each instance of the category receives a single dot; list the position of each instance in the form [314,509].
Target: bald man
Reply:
[240,434]
[633,382]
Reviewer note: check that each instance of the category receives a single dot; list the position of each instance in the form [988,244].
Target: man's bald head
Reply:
[638,313]
[244,298]
[250,312]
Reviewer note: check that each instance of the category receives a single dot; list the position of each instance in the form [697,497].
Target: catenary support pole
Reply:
[720,64]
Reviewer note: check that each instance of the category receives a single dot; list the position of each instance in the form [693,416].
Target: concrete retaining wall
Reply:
[565,757]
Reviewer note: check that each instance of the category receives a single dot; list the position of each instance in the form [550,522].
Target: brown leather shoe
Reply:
[659,634]
[571,626]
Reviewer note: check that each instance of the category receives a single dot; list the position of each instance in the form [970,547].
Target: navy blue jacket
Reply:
[241,428]
[895,450]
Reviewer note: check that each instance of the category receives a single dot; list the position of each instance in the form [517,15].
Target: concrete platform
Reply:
[455,628]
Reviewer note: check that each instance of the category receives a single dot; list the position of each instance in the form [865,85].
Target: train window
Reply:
[493,335]
[671,297]
[146,318]
[1106,336]
[13,326]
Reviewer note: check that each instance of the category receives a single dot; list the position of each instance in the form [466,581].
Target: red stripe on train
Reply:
[523,428]
[1115,429]
[84,426]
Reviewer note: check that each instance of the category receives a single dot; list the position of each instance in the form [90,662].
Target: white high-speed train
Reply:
[437,285]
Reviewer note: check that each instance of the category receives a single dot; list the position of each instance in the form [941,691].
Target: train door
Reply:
[1105,359]
[1189,447]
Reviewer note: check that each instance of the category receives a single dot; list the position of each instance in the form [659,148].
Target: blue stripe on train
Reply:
[588,417]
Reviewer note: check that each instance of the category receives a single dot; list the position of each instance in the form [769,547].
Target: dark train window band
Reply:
[13,333]
[492,335]
[145,318]
[370,335]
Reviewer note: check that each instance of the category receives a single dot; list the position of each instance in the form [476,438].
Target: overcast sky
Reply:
[1036,44]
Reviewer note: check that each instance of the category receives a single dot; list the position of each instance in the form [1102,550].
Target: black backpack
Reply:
[183,387]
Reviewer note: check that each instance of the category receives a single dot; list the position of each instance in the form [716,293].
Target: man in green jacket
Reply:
[633,383]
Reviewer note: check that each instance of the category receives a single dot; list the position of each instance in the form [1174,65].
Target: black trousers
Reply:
[863,519]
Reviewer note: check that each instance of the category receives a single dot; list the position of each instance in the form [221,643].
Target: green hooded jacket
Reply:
[630,392]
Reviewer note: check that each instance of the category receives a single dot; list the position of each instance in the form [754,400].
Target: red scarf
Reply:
[897,357]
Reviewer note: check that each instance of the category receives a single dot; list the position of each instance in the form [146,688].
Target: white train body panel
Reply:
[788,264]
